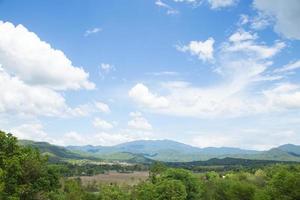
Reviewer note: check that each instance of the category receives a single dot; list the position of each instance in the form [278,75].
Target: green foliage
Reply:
[191,183]
[171,190]
[113,192]
[145,191]
[284,184]
[155,170]
[24,173]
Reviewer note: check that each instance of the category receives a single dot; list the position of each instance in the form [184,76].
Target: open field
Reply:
[116,177]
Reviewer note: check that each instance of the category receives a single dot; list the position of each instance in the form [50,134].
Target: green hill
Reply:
[171,151]
[145,151]
[55,153]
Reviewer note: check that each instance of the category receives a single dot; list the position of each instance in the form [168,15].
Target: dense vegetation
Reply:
[26,175]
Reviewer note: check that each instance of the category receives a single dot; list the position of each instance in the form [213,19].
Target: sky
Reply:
[202,72]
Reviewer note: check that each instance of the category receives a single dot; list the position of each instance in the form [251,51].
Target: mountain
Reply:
[171,151]
[226,150]
[55,153]
[145,151]
[139,146]
[163,150]
[291,149]
[154,146]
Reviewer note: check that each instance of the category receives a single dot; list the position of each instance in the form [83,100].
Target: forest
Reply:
[25,174]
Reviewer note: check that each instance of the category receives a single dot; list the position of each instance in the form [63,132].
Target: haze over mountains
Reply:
[164,150]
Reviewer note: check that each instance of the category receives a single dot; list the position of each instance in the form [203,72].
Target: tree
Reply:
[24,172]
[284,184]
[191,183]
[113,192]
[73,189]
[144,191]
[155,170]
[171,190]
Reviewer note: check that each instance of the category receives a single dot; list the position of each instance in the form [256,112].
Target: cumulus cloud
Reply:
[99,138]
[25,55]
[243,41]
[285,14]
[202,49]
[102,124]
[241,36]
[283,96]
[139,122]
[102,107]
[141,94]
[32,131]
[34,73]
[19,98]
[262,137]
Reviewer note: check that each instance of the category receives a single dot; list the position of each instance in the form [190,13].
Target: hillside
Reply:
[55,153]
[291,149]
[145,151]
[172,151]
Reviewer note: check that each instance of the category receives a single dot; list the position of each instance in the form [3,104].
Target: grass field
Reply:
[116,177]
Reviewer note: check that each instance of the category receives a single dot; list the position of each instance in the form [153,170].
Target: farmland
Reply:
[114,177]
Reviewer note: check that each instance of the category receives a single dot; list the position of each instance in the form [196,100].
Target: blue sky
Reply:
[202,72]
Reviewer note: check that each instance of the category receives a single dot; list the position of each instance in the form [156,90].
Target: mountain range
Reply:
[162,150]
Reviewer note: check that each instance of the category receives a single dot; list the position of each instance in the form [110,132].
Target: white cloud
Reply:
[33,73]
[138,122]
[92,31]
[164,73]
[108,139]
[102,107]
[262,137]
[244,19]
[170,10]
[102,124]
[289,67]
[203,49]
[244,42]
[260,21]
[32,131]
[72,138]
[25,55]
[99,138]
[242,65]
[216,4]
[241,36]
[18,97]
[285,14]
[106,68]
[206,140]
[284,96]
[141,94]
